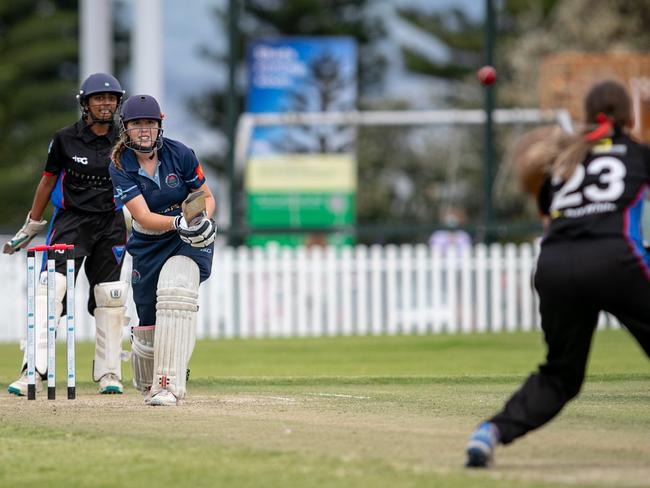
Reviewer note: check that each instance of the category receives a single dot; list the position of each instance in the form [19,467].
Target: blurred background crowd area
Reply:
[411,55]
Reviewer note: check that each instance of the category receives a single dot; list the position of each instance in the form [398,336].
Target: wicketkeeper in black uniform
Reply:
[77,182]
[592,259]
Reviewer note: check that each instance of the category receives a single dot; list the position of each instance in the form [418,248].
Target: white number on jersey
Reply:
[611,174]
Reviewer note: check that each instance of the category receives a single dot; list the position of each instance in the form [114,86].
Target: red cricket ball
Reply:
[486,75]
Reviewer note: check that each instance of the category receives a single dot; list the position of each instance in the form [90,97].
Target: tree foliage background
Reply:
[401,183]
[415,176]
[38,83]
[409,176]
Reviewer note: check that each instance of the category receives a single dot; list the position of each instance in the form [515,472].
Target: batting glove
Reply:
[24,236]
[201,234]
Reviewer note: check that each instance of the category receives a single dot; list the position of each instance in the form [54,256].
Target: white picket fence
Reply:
[284,292]
[376,290]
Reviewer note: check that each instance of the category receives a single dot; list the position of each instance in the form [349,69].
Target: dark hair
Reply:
[607,106]
[611,99]
[118,149]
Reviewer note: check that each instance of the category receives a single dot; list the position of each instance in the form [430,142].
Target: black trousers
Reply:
[575,281]
[99,240]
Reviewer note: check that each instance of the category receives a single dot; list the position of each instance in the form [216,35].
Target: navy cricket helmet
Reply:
[139,107]
[98,83]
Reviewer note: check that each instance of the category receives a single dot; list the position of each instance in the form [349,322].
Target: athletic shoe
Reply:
[109,384]
[163,398]
[19,387]
[480,448]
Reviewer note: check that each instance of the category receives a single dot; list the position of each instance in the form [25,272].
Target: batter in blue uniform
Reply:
[152,176]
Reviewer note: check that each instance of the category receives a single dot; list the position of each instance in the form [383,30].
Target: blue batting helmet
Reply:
[100,83]
[138,107]
[141,107]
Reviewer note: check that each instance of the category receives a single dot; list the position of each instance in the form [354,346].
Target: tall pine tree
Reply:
[38,82]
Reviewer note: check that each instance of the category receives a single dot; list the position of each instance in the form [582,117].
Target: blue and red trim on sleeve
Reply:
[632,229]
[57,197]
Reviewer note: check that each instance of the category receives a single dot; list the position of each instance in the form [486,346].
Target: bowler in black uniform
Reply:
[592,259]
[77,182]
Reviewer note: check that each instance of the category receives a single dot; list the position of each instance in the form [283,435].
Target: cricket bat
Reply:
[193,207]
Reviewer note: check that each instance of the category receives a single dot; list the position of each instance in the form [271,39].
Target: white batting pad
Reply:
[175,334]
[111,293]
[142,357]
[40,323]
[109,320]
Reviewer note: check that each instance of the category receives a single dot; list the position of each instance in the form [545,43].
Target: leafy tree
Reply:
[416,174]
[462,35]
[441,165]
[541,28]
[38,78]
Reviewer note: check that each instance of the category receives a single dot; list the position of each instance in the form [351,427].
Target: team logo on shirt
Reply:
[135,276]
[172,180]
[118,252]
[199,171]
[80,160]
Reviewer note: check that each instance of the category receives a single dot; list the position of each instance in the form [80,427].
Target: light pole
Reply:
[232,111]
[488,137]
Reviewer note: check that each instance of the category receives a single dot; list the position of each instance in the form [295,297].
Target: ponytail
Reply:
[533,155]
[118,149]
[578,147]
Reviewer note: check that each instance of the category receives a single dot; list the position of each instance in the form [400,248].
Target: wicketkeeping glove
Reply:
[24,236]
[201,234]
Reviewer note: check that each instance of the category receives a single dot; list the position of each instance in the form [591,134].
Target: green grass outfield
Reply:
[335,412]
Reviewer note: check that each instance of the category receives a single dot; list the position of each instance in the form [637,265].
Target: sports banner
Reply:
[301,176]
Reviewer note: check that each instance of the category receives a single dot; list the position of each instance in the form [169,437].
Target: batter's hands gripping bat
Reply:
[193,208]
[194,227]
